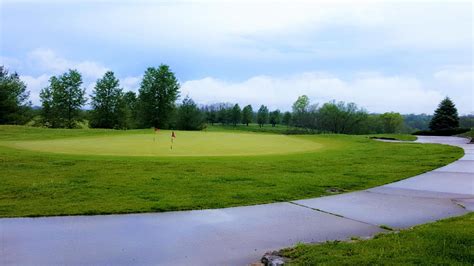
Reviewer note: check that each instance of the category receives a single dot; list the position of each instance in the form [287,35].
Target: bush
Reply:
[442,132]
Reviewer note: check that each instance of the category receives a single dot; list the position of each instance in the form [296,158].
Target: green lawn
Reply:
[446,242]
[38,183]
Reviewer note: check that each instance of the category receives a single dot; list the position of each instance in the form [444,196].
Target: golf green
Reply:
[186,143]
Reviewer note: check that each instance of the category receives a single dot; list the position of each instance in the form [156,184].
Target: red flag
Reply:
[172,134]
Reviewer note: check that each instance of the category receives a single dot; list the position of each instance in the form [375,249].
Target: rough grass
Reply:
[43,184]
[446,242]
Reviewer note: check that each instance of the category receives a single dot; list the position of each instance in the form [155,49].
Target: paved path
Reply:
[238,236]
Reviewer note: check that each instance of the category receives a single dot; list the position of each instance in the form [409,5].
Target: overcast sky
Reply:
[390,56]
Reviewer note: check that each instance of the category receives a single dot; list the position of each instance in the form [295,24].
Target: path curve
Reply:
[240,235]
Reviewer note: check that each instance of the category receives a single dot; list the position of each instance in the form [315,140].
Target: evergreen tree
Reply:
[13,98]
[158,93]
[189,116]
[247,114]
[224,114]
[446,116]
[108,104]
[236,115]
[211,113]
[274,117]
[286,120]
[262,115]
[62,100]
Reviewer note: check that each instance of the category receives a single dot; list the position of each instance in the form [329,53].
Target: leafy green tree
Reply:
[446,116]
[262,115]
[131,106]
[158,93]
[275,117]
[286,120]
[417,122]
[247,114]
[13,98]
[341,117]
[301,104]
[108,103]
[62,100]
[301,116]
[392,122]
[190,116]
[236,115]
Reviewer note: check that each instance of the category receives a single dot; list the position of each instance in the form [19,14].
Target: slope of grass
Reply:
[469,134]
[36,183]
[446,242]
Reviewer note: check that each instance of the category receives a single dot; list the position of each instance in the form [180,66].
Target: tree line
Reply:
[155,105]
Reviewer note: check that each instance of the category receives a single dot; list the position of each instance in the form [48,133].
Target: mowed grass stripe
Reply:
[187,143]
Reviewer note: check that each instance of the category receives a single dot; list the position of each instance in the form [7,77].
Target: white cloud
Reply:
[51,64]
[278,28]
[457,82]
[35,85]
[48,61]
[131,83]
[375,92]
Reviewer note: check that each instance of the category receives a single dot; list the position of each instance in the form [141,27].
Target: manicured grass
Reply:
[186,143]
[446,242]
[34,183]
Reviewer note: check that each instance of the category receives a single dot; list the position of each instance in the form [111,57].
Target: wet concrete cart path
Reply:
[238,236]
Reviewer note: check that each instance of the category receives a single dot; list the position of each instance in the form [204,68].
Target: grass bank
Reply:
[35,183]
[446,242]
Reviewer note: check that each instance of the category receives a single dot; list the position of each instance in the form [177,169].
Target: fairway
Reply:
[186,143]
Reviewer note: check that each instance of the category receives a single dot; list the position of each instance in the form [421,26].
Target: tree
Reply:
[189,116]
[130,101]
[236,115]
[275,117]
[211,113]
[341,117]
[445,116]
[301,104]
[301,116]
[224,114]
[286,120]
[247,114]
[62,100]
[391,122]
[108,103]
[262,115]
[158,93]
[13,98]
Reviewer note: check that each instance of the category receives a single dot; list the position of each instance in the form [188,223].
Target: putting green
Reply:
[187,143]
